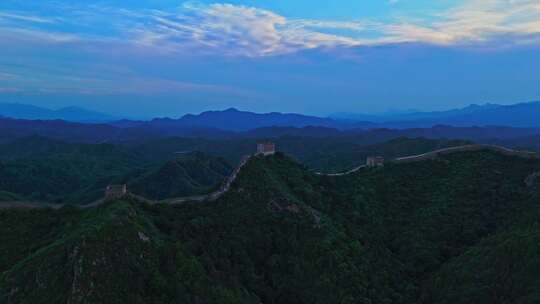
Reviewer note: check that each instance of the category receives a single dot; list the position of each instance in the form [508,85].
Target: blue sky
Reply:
[166,58]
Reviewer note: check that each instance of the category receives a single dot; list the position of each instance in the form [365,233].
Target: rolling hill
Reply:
[418,232]
[45,170]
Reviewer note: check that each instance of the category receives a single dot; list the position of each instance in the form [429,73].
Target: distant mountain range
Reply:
[236,120]
[12,129]
[76,114]
[523,115]
[517,115]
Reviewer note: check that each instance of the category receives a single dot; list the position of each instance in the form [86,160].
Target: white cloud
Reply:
[25,17]
[240,30]
[474,21]
[36,35]
[237,30]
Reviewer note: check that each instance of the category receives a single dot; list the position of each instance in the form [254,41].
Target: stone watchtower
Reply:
[375,161]
[115,191]
[266,148]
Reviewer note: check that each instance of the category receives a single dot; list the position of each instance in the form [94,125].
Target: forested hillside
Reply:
[420,232]
[328,154]
[42,169]
[187,174]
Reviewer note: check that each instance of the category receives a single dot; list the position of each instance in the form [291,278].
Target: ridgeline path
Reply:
[467,148]
[214,195]
[436,153]
[231,178]
[343,173]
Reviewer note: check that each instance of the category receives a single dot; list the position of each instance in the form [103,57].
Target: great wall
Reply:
[217,194]
[445,151]
[467,148]
[267,149]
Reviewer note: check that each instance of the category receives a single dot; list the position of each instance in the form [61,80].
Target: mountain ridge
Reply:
[70,113]
[516,115]
[233,119]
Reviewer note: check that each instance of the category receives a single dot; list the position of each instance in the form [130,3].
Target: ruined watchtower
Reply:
[266,148]
[375,161]
[115,191]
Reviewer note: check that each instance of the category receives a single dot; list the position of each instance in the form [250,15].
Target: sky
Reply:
[149,58]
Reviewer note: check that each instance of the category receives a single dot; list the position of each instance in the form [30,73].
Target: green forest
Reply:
[39,169]
[462,228]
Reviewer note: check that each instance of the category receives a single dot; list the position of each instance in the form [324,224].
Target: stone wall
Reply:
[467,148]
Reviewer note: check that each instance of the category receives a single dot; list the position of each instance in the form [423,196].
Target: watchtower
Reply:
[266,148]
[115,191]
[375,161]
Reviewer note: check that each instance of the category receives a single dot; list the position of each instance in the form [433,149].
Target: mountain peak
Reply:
[485,105]
[233,119]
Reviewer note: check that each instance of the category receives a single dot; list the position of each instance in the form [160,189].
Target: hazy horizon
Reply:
[388,112]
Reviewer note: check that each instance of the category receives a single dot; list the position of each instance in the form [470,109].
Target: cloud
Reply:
[25,17]
[9,90]
[87,85]
[249,31]
[240,30]
[475,21]
[96,79]
[36,35]
[6,76]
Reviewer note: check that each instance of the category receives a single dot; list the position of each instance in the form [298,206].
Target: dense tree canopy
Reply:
[458,229]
